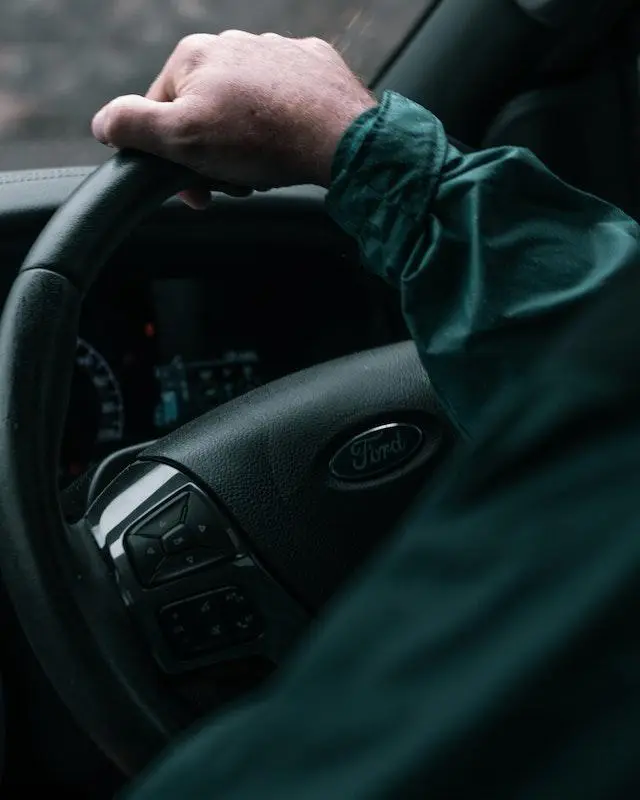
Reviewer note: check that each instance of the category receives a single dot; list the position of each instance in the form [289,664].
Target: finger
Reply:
[162,90]
[164,87]
[200,199]
[137,122]
[231,189]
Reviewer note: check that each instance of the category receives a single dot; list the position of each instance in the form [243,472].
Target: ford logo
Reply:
[376,451]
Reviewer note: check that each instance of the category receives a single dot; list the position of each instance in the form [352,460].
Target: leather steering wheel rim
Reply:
[38,331]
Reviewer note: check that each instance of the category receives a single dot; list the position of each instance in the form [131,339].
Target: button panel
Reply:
[252,616]
[184,536]
[210,622]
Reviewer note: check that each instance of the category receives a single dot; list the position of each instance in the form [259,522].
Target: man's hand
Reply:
[250,112]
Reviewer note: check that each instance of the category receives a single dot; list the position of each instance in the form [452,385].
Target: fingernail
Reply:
[99,126]
[188,199]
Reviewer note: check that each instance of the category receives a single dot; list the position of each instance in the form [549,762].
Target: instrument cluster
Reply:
[128,389]
[158,348]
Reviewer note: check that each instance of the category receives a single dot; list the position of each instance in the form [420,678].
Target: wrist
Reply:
[334,128]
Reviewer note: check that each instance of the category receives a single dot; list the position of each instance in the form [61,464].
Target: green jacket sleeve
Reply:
[492,254]
[491,649]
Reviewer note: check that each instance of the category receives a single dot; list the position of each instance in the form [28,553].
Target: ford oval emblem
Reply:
[376,451]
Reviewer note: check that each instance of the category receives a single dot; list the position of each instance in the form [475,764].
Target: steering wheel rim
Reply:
[61,585]
[38,330]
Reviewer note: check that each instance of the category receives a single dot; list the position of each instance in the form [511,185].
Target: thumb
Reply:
[134,121]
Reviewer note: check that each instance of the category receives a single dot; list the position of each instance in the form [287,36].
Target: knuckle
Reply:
[235,34]
[318,43]
[194,43]
[192,51]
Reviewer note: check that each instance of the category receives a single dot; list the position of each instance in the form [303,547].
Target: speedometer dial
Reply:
[95,418]
[107,392]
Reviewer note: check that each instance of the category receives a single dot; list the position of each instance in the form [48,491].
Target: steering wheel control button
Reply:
[162,521]
[179,539]
[146,556]
[181,564]
[192,627]
[242,619]
[183,536]
[209,622]
[209,526]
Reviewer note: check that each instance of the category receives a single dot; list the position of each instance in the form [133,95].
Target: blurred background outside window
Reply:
[60,60]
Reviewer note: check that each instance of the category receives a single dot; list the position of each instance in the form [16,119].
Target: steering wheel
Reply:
[222,540]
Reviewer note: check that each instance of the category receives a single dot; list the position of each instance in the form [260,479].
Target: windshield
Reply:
[60,60]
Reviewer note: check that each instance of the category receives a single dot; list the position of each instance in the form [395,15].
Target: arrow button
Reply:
[180,564]
[209,525]
[161,522]
[146,555]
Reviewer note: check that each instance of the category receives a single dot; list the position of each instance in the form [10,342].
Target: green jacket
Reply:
[492,649]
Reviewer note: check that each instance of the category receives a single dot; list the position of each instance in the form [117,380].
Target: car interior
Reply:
[202,413]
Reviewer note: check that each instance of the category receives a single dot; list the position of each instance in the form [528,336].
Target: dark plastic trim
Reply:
[559,13]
